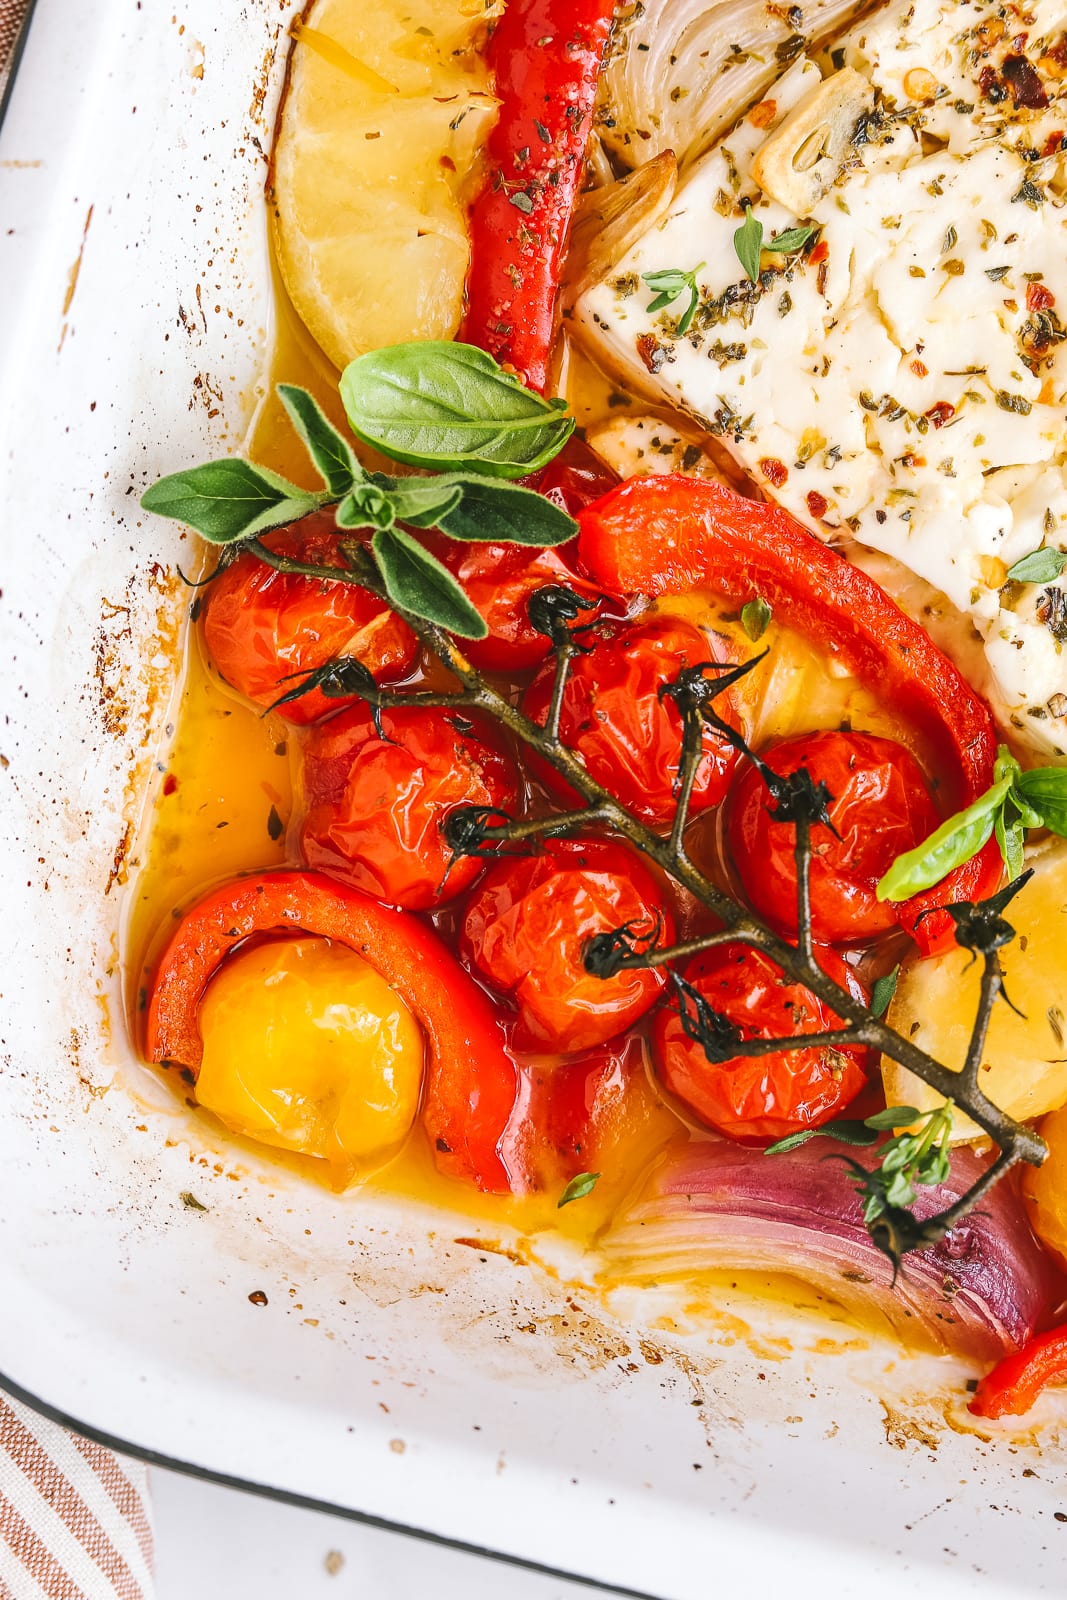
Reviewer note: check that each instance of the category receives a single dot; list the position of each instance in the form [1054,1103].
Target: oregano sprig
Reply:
[429,405]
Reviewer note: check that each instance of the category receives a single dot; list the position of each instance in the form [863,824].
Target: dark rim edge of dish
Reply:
[155,1458]
[16,57]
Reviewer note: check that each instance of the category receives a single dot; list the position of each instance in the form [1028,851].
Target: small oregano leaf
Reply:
[329,450]
[229,500]
[882,994]
[748,242]
[417,582]
[1040,566]
[755,618]
[845,1132]
[582,1184]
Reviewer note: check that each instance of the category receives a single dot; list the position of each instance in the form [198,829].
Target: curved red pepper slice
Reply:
[471,1079]
[670,535]
[1015,1383]
[546,57]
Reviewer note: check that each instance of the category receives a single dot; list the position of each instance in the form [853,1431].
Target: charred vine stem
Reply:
[798,800]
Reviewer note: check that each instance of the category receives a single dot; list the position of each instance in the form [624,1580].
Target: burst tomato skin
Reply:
[261,626]
[881,807]
[374,807]
[760,1098]
[629,734]
[526,925]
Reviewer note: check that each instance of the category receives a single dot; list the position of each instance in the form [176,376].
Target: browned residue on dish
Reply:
[493,1247]
[72,281]
[902,1429]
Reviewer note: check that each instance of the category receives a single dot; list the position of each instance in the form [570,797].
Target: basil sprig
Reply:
[442,405]
[426,405]
[1015,801]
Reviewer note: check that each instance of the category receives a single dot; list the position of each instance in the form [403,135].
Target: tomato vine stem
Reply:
[798,801]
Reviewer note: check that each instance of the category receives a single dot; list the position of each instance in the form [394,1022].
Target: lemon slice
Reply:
[386,112]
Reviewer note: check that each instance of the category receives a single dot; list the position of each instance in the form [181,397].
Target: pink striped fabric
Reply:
[75,1522]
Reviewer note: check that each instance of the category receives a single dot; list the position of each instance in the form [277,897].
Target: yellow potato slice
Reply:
[386,112]
[1024,1065]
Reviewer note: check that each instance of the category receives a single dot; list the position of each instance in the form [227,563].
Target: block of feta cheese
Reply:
[896,372]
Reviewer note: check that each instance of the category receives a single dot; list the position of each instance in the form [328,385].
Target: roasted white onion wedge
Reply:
[610,219]
[682,71]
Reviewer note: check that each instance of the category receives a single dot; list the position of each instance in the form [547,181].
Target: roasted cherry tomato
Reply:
[760,1097]
[500,580]
[880,808]
[670,535]
[375,803]
[628,733]
[574,478]
[470,1083]
[263,628]
[525,927]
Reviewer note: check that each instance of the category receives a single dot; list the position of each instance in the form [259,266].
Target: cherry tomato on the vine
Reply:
[374,806]
[760,1097]
[264,628]
[526,925]
[629,733]
[500,580]
[880,808]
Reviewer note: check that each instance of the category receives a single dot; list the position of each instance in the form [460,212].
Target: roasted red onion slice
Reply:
[717,1204]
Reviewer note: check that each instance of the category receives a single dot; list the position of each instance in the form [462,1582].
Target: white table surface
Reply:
[219,1544]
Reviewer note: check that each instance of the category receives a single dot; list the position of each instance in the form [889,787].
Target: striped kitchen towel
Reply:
[12,15]
[75,1522]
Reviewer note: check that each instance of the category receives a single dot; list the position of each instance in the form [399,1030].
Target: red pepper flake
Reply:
[170,784]
[1038,298]
[1053,143]
[817,503]
[820,253]
[919,369]
[1027,90]
[991,86]
[448,163]
[938,415]
[763,115]
[650,350]
[774,471]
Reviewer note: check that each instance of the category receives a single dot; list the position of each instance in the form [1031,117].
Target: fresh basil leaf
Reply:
[1040,566]
[755,617]
[955,841]
[1045,789]
[748,242]
[229,500]
[845,1132]
[492,512]
[424,501]
[882,994]
[578,1188]
[792,239]
[441,405]
[416,581]
[892,1117]
[329,450]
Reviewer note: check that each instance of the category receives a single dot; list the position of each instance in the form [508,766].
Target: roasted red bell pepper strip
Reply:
[1015,1383]
[471,1079]
[546,57]
[670,535]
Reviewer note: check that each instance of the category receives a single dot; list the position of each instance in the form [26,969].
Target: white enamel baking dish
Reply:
[393,1374]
